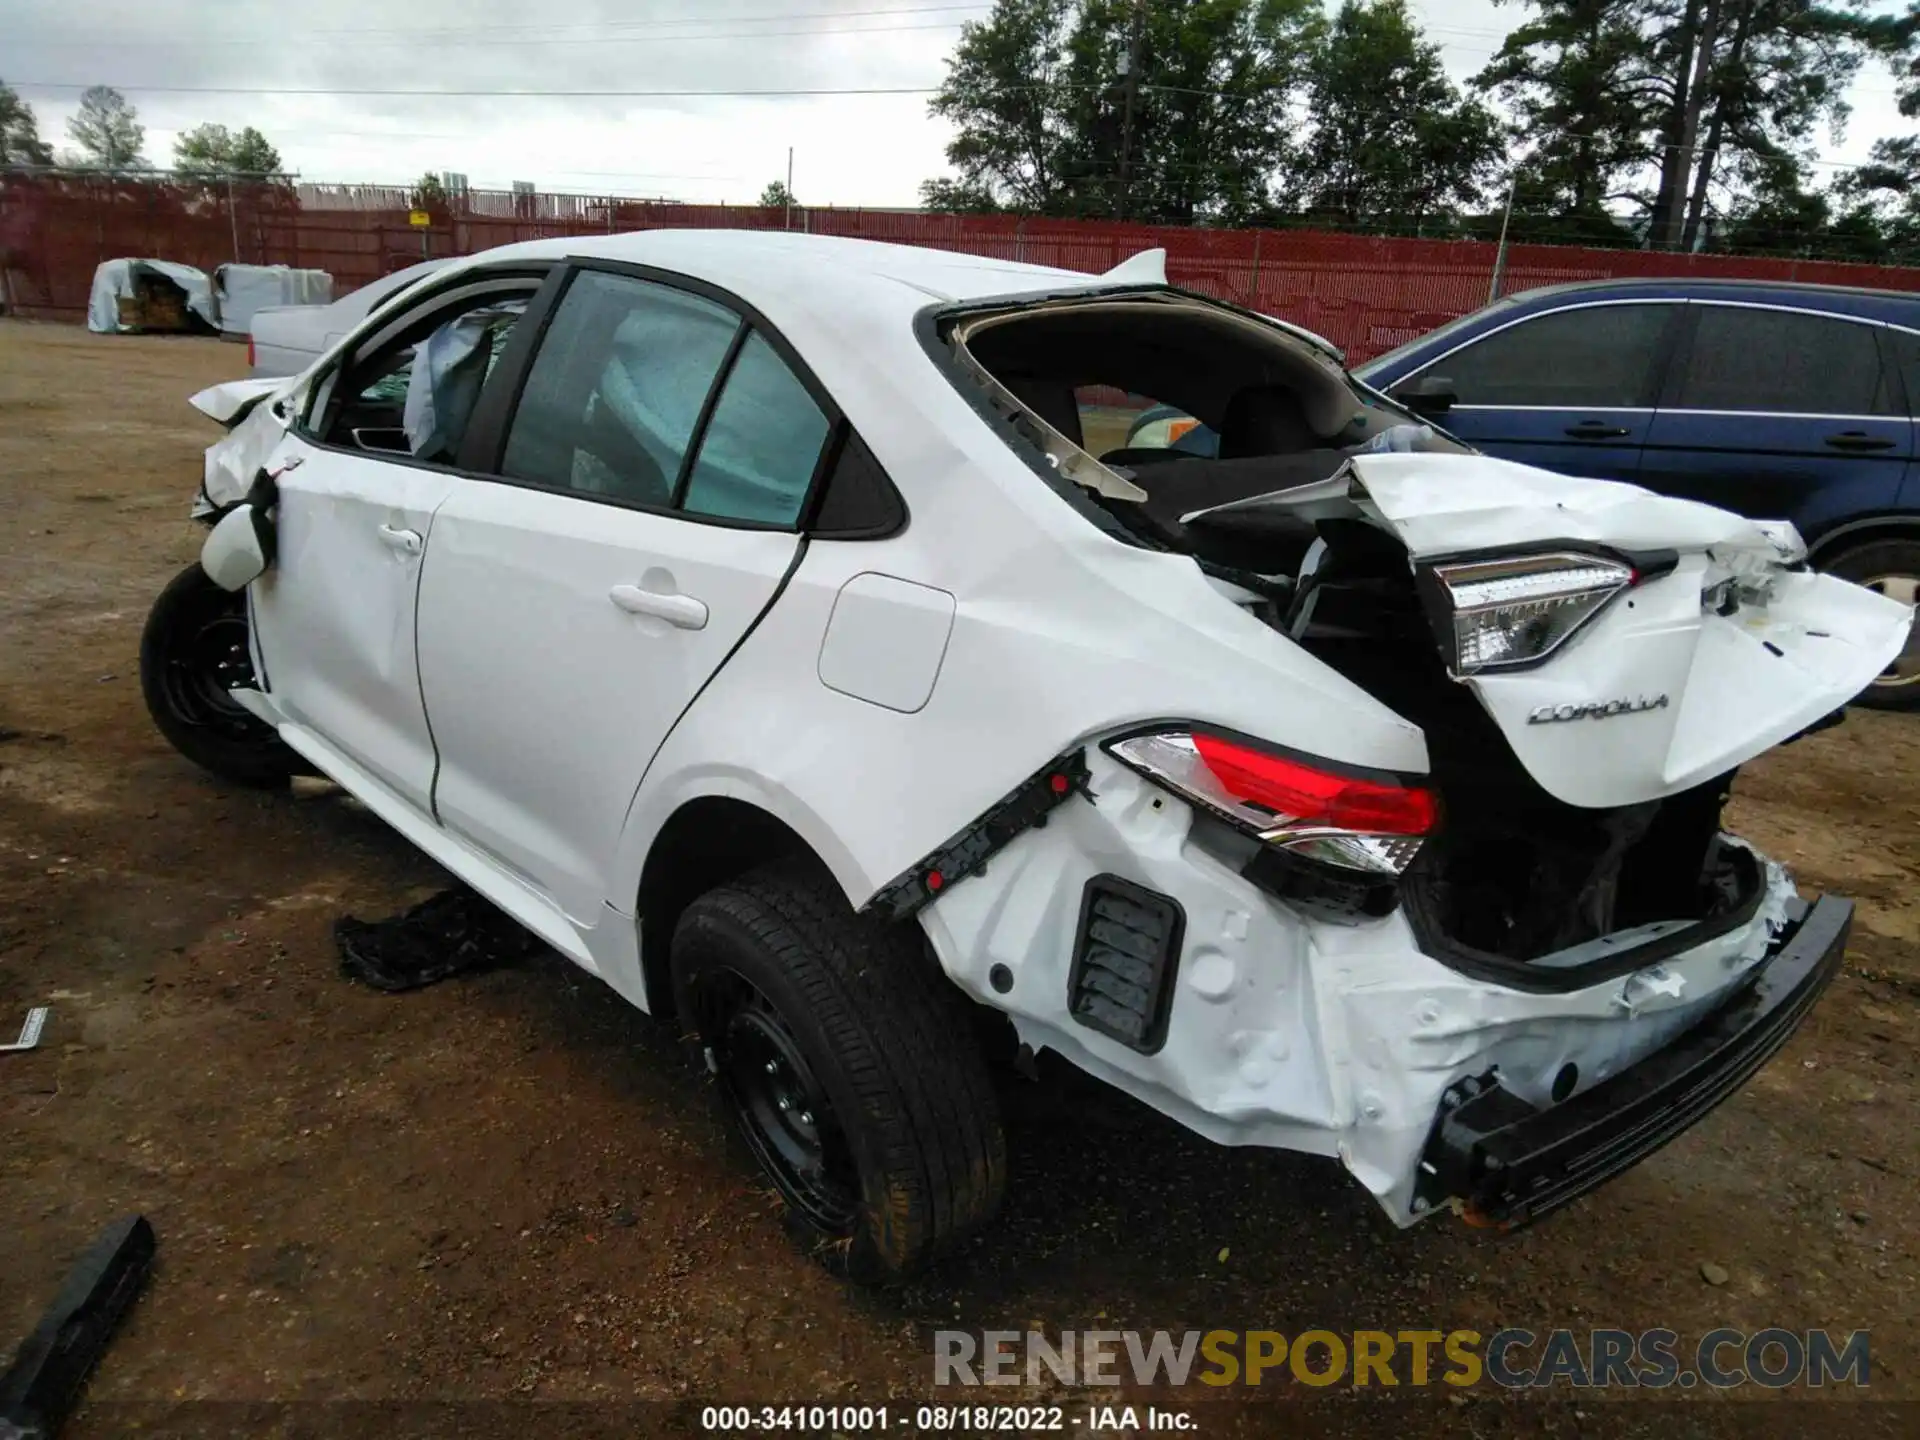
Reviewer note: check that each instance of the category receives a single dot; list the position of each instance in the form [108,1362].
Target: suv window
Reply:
[613,396]
[762,444]
[1783,361]
[1591,356]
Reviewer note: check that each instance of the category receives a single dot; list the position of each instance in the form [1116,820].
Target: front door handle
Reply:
[1858,440]
[407,542]
[682,610]
[1594,430]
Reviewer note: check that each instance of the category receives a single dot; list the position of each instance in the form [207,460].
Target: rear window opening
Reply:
[1162,404]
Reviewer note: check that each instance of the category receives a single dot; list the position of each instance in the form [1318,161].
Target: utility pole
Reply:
[1131,75]
[1500,255]
[233,217]
[789,187]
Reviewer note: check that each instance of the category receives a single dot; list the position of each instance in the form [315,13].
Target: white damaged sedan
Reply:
[750,616]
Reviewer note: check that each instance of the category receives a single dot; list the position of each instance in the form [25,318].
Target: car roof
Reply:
[1841,299]
[754,263]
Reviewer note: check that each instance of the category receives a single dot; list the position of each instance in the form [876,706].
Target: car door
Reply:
[646,512]
[1780,413]
[1570,390]
[358,488]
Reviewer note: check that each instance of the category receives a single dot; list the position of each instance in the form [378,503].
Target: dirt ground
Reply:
[511,1188]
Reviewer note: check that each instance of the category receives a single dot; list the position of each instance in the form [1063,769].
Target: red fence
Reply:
[1365,293]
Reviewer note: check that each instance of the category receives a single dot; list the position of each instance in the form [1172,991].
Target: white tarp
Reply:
[239,290]
[115,278]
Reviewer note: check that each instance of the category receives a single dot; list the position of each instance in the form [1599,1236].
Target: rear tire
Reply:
[846,1062]
[1891,567]
[195,648]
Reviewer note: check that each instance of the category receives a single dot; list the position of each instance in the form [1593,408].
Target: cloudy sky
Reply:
[291,70]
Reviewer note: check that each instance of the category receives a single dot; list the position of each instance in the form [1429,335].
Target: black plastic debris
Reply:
[38,1391]
[454,933]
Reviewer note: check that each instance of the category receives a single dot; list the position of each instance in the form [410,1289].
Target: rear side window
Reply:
[1782,361]
[761,445]
[1906,349]
[614,394]
[1594,356]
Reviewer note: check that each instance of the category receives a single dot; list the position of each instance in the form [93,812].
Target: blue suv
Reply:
[1776,400]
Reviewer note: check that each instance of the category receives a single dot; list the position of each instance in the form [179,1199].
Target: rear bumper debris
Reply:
[1505,1162]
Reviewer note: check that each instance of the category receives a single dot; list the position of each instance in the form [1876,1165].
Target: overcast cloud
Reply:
[849,149]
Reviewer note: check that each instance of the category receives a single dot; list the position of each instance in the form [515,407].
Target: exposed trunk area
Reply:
[1513,874]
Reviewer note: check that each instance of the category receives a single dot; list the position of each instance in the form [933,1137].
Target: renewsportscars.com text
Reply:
[1773,1358]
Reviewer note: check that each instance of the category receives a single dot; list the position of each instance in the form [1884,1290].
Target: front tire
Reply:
[845,1060]
[1891,567]
[194,650]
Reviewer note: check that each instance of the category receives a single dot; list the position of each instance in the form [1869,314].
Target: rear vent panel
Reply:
[1124,959]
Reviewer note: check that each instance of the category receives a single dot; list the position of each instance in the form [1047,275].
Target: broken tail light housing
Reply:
[1509,613]
[1373,824]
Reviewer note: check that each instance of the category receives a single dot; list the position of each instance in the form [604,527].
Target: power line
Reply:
[424,32]
[402,38]
[357,91]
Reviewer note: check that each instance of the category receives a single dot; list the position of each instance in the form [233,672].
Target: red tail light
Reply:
[1305,795]
[251,362]
[1306,808]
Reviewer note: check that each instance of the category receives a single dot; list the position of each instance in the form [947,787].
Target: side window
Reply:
[1780,360]
[762,444]
[612,398]
[1906,349]
[415,394]
[1594,356]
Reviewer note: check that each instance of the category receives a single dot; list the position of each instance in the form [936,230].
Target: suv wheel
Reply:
[845,1060]
[1891,567]
[194,651]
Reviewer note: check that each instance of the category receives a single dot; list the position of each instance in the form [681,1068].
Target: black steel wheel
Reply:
[777,1102]
[846,1062]
[194,652]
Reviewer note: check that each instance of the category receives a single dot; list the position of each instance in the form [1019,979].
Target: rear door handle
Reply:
[1858,440]
[1594,430]
[407,542]
[682,610]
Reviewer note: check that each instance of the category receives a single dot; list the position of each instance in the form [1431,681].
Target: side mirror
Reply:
[240,548]
[1427,395]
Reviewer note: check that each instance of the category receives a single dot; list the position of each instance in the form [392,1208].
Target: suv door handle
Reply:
[682,610]
[1594,430]
[1858,440]
[407,542]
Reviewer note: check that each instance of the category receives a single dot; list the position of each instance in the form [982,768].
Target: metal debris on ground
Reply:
[453,933]
[29,1032]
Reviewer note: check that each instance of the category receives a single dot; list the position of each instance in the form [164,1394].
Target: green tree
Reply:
[1887,189]
[1171,112]
[108,130]
[777,196]
[20,142]
[213,152]
[430,195]
[957,197]
[1574,79]
[1685,110]
[1210,124]
[1393,142]
[1005,93]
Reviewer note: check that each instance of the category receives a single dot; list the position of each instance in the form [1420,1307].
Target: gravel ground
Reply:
[509,1188]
